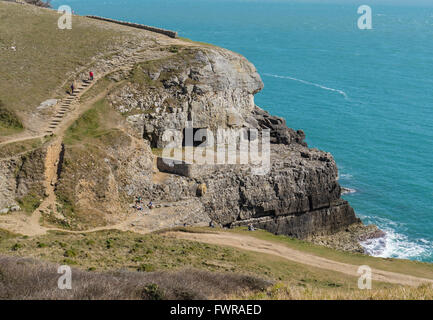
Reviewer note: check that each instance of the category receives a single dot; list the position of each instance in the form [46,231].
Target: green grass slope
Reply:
[115,250]
[38,59]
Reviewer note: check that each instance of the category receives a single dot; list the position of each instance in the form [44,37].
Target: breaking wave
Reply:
[396,245]
[346,190]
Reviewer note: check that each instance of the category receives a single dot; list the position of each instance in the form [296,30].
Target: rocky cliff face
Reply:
[96,180]
[299,197]
[201,87]
[21,180]
[214,88]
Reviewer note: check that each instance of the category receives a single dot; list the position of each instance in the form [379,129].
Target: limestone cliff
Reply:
[208,86]
[214,88]
[107,157]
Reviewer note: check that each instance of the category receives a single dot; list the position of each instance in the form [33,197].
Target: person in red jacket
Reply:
[91,75]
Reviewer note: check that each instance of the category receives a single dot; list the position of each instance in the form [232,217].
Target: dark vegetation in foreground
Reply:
[24,278]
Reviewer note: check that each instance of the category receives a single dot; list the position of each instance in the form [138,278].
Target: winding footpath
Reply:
[280,250]
[68,110]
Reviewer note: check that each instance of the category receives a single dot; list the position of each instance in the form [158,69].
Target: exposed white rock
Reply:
[15,208]
[47,104]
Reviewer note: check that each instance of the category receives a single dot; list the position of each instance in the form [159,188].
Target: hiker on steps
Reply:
[91,75]
[72,88]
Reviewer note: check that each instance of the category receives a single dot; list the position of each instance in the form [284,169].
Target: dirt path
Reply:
[25,137]
[29,225]
[68,110]
[122,226]
[52,160]
[280,250]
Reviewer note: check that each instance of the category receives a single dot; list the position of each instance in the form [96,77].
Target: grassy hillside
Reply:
[114,250]
[38,59]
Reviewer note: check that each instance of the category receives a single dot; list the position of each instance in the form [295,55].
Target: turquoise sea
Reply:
[363,95]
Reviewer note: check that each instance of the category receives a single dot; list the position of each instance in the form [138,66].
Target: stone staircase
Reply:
[67,104]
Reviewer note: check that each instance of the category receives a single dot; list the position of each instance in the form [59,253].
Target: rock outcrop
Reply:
[202,87]
[300,195]
[22,179]
[95,181]
[280,133]
[207,87]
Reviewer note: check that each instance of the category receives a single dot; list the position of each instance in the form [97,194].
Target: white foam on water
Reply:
[348,190]
[308,83]
[396,245]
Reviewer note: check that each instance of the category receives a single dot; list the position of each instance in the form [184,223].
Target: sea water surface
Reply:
[363,95]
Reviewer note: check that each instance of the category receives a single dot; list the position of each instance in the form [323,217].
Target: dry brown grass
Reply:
[281,291]
[24,279]
[182,269]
